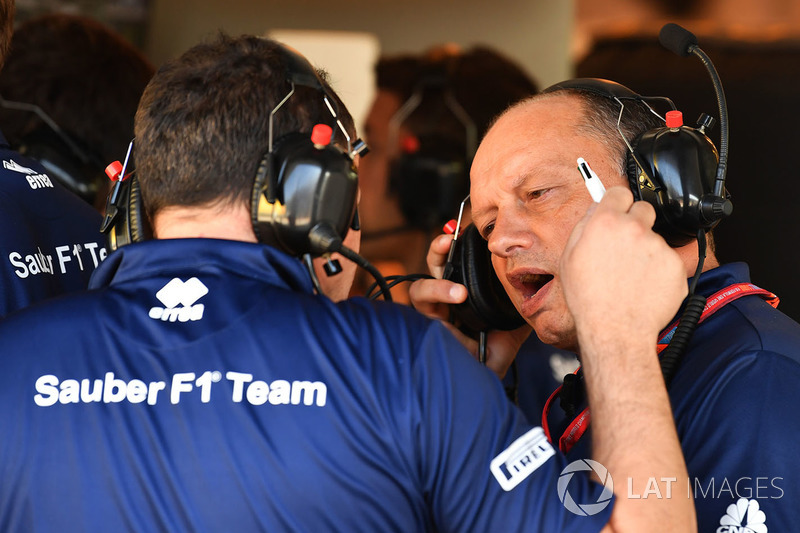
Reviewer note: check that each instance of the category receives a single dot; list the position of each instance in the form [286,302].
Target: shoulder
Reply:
[399,327]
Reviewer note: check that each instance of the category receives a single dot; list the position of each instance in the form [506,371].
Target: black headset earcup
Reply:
[312,184]
[488,306]
[429,188]
[682,165]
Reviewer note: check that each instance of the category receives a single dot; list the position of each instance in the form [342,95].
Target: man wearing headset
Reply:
[734,394]
[49,239]
[218,392]
[88,79]
[423,128]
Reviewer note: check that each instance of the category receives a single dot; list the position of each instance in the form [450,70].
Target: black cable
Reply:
[695,303]
[393,281]
[323,239]
[307,260]
[369,267]
[482,337]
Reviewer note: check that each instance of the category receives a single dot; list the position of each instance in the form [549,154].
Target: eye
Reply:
[486,230]
[535,195]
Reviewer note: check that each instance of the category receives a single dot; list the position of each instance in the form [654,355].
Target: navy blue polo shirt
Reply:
[50,240]
[735,398]
[216,392]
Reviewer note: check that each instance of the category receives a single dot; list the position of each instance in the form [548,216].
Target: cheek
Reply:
[569,217]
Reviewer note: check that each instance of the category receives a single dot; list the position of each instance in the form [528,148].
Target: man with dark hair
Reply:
[88,80]
[219,393]
[49,239]
[734,393]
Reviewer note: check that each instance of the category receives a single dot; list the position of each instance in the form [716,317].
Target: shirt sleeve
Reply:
[481,465]
[740,448]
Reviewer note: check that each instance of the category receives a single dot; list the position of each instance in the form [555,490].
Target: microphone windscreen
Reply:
[676,39]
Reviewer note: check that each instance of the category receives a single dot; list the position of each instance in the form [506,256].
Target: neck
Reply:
[216,221]
[688,254]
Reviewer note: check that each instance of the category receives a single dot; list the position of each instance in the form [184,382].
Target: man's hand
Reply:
[620,278]
[433,298]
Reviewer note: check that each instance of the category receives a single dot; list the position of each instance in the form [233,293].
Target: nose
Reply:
[510,234]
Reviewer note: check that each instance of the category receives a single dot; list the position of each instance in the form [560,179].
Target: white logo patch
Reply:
[744,516]
[35,180]
[16,167]
[184,293]
[521,459]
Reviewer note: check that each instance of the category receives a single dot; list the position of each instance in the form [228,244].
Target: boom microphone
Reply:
[677,39]
[684,43]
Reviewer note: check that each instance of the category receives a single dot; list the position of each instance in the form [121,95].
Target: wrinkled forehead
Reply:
[527,131]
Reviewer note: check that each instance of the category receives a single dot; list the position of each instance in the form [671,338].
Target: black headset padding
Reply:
[124,222]
[138,228]
[487,306]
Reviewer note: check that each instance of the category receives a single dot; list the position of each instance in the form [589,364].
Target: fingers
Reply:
[437,254]
[644,213]
[616,198]
[432,296]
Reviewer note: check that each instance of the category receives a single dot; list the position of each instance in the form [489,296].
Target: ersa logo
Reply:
[35,179]
[179,299]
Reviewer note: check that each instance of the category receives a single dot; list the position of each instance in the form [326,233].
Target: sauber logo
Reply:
[35,180]
[180,293]
[744,516]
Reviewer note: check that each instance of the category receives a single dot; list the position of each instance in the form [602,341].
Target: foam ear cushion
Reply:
[488,306]
[633,172]
[139,230]
[266,184]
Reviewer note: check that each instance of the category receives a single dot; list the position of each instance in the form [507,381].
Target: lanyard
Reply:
[715,302]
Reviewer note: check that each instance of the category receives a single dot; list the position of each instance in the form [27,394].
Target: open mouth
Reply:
[528,284]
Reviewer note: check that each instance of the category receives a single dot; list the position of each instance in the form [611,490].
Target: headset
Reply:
[431,162]
[673,167]
[469,263]
[304,194]
[676,168]
[64,156]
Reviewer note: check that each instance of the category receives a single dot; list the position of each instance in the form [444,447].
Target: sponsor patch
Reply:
[521,458]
